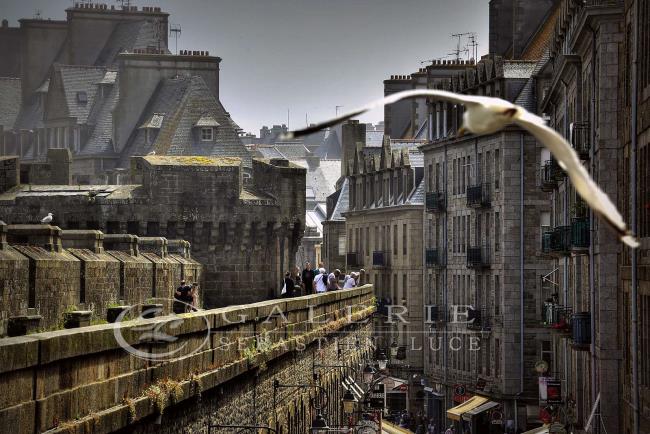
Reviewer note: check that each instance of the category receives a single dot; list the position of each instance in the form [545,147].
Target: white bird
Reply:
[152,153]
[486,115]
[47,219]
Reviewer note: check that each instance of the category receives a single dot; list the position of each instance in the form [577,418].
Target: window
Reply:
[394,239]
[404,289]
[497,168]
[497,232]
[404,240]
[367,241]
[133,228]
[188,234]
[497,295]
[113,227]
[153,229]
[82,97]
[546,354]
[206,134]
[342,244]
[497,357]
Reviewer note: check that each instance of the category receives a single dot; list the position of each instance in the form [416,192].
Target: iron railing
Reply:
[435,258]
[557,241]
[556,316]
[581,329]
[380,259]
[478,256]
[476,320]
[478,196]
[581,140]
[435,201]
[551,173]
[580,233]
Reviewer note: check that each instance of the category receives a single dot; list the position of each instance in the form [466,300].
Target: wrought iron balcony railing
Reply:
[551,173]
[581,140]
[581,330]
[478,196]
[556,316]
[435,201]
[478,256]
[557,241]
[435,258]
[579,234]
[380,259]
[477,320]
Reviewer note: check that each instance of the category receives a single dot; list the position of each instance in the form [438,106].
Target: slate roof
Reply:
[518,69]
[343,202]
[374,139]
[184,101]
[292,150]
[77,81]
[100,141]
[527,97]
[10,100]
[331,146]
[127,37]
[322,179]
[206,121]
[268,152]
[416,156]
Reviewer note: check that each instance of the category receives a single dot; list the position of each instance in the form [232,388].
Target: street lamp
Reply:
[382,360]
[368,373]
[349,402]
[394,349]
[319,425]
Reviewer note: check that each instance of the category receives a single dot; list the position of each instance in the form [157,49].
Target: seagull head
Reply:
[483,119]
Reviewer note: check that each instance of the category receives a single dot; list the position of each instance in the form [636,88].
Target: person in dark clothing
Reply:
[184,295]
[289,284]
[308,276]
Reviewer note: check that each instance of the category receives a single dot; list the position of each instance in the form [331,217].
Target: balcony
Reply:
[556,317]
[478,321]
[380,259]
[435,258]
[581,140]
[551,174]
[478,257]
[558,241]
[352,259]
[435,201]
[478,196]
[581,331]
[579,234]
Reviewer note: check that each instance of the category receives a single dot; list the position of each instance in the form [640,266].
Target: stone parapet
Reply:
[67,379]
[92,240]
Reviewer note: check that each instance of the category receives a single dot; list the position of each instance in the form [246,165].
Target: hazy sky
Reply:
[305,55]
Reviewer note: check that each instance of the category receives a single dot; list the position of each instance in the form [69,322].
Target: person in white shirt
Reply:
[351,280]
[320,283]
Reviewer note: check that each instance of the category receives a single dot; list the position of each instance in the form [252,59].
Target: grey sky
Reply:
[305,55]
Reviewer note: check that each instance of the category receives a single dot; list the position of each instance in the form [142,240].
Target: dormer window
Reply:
[205,129]
[207,134]
[82,97]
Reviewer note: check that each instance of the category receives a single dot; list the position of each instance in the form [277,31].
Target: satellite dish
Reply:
[541,367]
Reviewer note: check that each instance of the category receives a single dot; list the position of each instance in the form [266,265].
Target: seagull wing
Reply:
[417,93]
[580,178]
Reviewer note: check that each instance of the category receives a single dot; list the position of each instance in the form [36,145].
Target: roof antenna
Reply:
[38,15]
[175,31]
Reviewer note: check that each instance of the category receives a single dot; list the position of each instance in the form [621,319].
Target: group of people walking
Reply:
[316,281]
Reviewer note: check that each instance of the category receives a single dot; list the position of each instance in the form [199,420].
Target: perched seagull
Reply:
[152,153]
[486,115]
[47,219]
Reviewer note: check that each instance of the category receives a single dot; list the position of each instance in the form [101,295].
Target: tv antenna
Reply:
[38,15]
[458,49]
[175,31]
[422,62]
[473,45]
[126,4]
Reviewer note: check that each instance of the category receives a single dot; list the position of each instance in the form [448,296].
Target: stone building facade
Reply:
[103,84]
[47,272]
[383,224]
[244,233]
[481,193]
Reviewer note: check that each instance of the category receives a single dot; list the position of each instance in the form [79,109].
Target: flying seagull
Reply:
[47,219]
[486,115]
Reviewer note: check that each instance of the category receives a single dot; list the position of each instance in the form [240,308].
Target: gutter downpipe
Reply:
[565,259]
[633,222]
[592,229]
[521,275]
[445,352]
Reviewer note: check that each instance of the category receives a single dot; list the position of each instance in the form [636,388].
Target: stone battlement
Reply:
[68,380]
[46,271]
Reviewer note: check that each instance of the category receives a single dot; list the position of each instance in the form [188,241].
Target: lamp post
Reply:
[319,424]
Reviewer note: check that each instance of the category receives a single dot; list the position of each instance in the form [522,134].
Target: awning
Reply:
[350,384]
[480,409]
[456,412]
[540,430]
